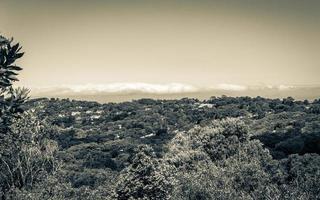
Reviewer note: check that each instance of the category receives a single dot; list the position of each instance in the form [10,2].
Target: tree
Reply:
[26,155]
[221,162]
[145,178]
[10,99]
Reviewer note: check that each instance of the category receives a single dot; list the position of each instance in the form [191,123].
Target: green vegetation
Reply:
[221,148]
[26,153]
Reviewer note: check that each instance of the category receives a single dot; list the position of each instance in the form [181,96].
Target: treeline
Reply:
[221,148]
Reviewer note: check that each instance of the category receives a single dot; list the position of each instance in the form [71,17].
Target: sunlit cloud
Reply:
[231,87]
[169,88]
[149,88]
[285,87]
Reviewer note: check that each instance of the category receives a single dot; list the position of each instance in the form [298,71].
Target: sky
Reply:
[201,43]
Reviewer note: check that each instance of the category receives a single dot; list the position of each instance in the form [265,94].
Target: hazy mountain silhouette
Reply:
[118,92]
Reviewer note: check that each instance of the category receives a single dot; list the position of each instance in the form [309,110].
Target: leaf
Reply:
[2,71]
[13,78]
[14,67]
[9,73]
[4,83]
[19,55]
[15,47]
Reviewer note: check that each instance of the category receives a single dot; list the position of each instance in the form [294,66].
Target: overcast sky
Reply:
[199,42]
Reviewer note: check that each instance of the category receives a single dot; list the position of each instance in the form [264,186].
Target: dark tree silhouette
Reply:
[10,99]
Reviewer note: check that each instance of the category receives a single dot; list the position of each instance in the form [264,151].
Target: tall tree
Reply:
[11,99]
[26,155]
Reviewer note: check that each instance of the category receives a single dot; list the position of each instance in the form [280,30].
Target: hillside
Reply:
[97,142]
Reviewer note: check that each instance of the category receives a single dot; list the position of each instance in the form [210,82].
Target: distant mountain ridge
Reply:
[118,92]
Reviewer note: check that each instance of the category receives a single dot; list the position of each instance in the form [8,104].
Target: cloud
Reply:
[231,87]
[285,87]
[169,88]
[149,88]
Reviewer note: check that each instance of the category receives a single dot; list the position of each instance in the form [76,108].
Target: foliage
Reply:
[245,157]
[10,99]
[145,178]
[248,172]
[27,156]
[26,153]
